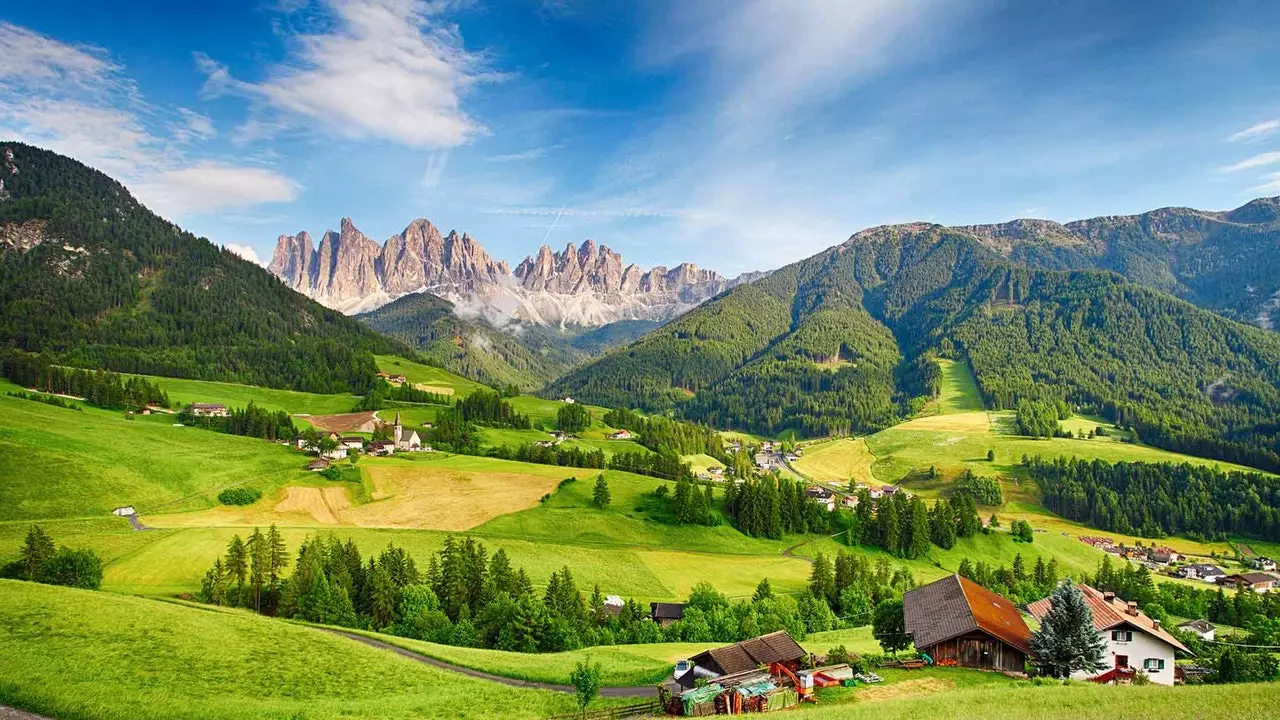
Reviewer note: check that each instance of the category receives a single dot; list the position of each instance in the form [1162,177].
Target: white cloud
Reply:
[73,99]
[526,155]
[245,252]
[1254,132]
[1269,186]
[1261,160]
[209,186]
[436,163]
[386,70]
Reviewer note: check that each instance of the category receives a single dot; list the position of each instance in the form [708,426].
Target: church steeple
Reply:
[399,430]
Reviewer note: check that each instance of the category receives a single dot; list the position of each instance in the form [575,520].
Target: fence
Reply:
[649,707]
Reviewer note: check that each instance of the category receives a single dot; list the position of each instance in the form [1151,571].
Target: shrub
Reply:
[239,496]
[73,568]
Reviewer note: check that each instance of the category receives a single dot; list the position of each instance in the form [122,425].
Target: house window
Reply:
[1153,664]
[1123,636]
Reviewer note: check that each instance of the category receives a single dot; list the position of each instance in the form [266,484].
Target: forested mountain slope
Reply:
[844,340]
[88,276]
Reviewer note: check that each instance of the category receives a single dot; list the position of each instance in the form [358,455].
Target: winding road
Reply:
[638,691]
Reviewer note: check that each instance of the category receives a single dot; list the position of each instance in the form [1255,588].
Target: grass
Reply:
[954,695]
[838,461]
[701,463]
[183,392]
[433,378]
[75,653]
[958,392]
[58,463]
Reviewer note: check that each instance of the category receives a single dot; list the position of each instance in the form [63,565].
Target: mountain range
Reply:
[846,341]
[588,285]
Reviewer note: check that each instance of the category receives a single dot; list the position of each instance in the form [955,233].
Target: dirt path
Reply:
[641,691]
[8,713]
[790,552]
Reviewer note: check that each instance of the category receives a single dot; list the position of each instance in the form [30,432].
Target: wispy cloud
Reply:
[386,69]
[436,163]
[1254,132]
[524,156]
[1269,186]
[76,100]
[1260,160]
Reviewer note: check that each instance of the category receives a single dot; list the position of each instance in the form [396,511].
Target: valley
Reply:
[221,468]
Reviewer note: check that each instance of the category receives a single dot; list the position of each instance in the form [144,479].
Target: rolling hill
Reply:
[90,277]
[846,342]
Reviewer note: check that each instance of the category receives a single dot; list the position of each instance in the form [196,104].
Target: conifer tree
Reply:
[277,557]
[237,567]
[1066,641]
[764,591]
[600,497]
[37,549]
[259,561]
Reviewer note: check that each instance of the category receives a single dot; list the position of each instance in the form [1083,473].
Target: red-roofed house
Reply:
[1134,641]
[957,619]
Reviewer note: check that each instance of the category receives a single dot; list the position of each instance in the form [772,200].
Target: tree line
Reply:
[658,433]
[1157,499]
[99,388]
[908,527]
[249,421]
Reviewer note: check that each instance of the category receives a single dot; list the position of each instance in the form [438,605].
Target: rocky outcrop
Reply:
[584,285]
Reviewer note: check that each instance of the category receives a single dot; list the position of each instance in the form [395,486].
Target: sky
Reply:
[735,134]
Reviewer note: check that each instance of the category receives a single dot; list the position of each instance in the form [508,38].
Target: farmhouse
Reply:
[208,410]
[621,435]
[382,447]
[1203,628]
[124,511]
[1202,571]
[1134,641]
[747,656]
[1266,564]
[353,442]
[956,619]
[666,613]
[338,453]
[318,465]
[613,604]
[1258,582]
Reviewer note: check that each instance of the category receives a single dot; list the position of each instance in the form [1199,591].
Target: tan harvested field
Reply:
[955,422]
[437,389]
[424,495]
[345,422]
[838,461]
[907,688]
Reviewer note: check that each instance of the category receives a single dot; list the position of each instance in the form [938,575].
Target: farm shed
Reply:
[955,619]
[749,655]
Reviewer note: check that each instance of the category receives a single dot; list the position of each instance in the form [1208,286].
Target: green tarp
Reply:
[781,700]
[699,696]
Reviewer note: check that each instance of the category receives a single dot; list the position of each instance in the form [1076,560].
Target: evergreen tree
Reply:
[382,596]
[764,591]
[37,550]
[917,544]
[942,520]
[600,497]
[237,567]
[259,565]
[822,580]
[1066,641]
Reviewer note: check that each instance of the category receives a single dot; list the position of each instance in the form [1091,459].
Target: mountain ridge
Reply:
[587,285]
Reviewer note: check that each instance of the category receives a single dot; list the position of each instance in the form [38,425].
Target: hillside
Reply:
[846,341]
[88,276]
[523,354]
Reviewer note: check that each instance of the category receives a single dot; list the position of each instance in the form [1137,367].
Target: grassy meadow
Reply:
[184,392]
[75,653]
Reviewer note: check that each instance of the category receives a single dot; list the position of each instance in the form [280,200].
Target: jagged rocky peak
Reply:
[597,268]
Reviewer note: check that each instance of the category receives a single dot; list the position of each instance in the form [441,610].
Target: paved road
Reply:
[137,525]
[8,713]
[642,691]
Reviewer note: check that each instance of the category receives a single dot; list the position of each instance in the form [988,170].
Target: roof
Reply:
[666,611]
[208,406]
[955,605]
[751,654]
[318,464]
[351,438]
[1111,613]
[1257,577]
[1203,626]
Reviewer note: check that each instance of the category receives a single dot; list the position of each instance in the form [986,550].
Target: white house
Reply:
[1266,564]
[1134,641]
[570,400]
[1203,628]
[353,442]
[382,447]
[338,453]
[1202,571]
[621,435]
[208,410]
[124,511]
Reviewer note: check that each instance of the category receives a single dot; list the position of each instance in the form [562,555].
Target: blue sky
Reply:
[737,134]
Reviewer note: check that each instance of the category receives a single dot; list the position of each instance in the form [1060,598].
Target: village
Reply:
[1256,573]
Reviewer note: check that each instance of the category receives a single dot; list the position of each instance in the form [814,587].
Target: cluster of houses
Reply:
[955,621]
[393,378]
[402,440]
[770,456]
[1167,559]
[208,410]
[952,622]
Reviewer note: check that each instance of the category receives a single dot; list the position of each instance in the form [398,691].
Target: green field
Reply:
[74,653]
[184,392]
[621,665]
[440,379]
[58,463]
[958,392]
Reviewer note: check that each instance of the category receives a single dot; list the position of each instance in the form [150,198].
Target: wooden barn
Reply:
[776,648]
[955,620]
